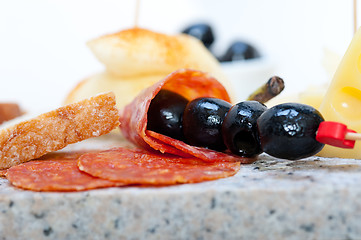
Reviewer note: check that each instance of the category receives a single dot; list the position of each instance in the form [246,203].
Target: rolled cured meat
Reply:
[190,84]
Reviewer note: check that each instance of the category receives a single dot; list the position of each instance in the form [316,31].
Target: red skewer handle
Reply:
[337,134]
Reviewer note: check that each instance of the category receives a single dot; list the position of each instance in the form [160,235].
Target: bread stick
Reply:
[56,129]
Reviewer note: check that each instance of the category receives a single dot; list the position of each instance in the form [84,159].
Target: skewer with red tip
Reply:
[337,134]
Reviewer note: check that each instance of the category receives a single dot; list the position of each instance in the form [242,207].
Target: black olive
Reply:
[288,131]
[202,32]
[202,122]
[239,51]
[239,128]
[165,114]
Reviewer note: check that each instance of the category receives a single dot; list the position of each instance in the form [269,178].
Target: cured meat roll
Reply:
[190,84]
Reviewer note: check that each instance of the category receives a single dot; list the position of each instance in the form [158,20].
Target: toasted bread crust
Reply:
[137,58]
[138,52]
[56,129]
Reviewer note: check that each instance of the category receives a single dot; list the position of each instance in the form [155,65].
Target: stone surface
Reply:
[314,198]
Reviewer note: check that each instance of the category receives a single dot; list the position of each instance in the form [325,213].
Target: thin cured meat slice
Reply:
[137,166]
[190,84]
[199,152]
[55,172]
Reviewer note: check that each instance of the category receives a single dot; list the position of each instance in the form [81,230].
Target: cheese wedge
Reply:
[342,102]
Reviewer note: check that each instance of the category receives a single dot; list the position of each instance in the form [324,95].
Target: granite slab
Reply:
[313,198]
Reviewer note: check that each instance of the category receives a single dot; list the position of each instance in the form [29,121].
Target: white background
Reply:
[43,51]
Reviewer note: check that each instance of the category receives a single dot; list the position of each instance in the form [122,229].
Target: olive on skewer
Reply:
[246,129]
[202,122]
[239,128]
[165,114]
[288,131]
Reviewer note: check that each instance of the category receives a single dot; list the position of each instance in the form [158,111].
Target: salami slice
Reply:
[136,166]
[55,172]
[190,84]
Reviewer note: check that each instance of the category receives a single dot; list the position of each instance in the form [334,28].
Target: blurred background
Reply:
[43,52]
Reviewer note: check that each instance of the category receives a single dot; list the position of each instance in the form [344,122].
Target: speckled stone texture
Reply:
[315,198]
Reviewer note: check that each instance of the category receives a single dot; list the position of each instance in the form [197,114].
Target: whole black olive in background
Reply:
[239,128]
[239,51]
[202,32]
[165,114]
[202,122]
[288,131]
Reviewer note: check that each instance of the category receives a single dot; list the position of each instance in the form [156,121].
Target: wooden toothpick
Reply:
[136,15]
[353,136]
[354,16]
